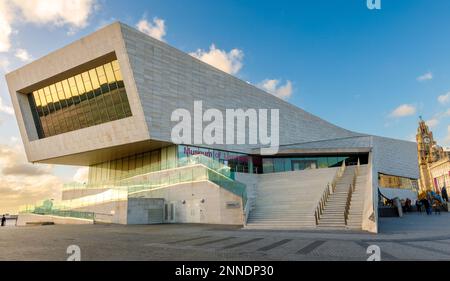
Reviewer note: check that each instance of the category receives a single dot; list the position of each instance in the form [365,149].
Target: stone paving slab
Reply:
[409,238]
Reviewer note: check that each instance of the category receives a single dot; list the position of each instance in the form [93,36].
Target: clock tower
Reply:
[426,155]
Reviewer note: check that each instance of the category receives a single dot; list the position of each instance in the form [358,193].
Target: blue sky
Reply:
[334,58]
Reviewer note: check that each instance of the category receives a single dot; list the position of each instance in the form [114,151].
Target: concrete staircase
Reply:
[288,200]
[333,213]
[355,217]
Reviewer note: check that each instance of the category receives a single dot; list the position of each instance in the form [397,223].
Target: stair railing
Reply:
[351,189]
[321,206]
[331,188]
[337,176]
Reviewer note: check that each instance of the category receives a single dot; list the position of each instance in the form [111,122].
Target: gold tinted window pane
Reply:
[87,82]
[109,73]
[42,97]
[66,89]
[54,93]
[94,79]
[37,100]
[101,75]
[73,86]
[117,71]
[60,91]
[118,75]
[80,86]
[115,65]
[83,100]
[48,98]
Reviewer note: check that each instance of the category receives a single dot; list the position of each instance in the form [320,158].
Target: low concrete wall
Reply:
[370,217]
[78,193]
[199,202]
[145,210]
[251,182]
[23,219]
[109,212]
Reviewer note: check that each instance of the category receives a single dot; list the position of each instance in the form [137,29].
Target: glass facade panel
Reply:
[237,162]
[276,165]
[116,170]
[390,181]
[90,98]
[173,156]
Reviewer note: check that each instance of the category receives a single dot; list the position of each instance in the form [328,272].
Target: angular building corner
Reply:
[105,101]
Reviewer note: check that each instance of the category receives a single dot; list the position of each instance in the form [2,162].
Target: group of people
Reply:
[432,201]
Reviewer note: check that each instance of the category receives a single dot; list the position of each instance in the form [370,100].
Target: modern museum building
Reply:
[107,101]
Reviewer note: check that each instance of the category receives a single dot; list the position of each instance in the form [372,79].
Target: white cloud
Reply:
[403,110]
[155,29]
[4,64]
[5,26]
[432,122]
[81,175]
[22,182]
[23,55]
[273,87]
[229,62]
[444,99]
[425,77]
[5,108]
[74,13]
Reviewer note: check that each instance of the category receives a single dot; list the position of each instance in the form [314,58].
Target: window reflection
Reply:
[276,165]
[391,181]
[90,98]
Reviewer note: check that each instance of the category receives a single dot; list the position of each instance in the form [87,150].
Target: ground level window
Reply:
[391,181]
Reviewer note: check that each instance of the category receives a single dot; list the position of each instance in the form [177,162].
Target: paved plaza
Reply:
[413,237]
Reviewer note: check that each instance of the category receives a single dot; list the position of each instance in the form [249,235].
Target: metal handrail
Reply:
[331,188]
[321,205]
[351,189]
[347,204]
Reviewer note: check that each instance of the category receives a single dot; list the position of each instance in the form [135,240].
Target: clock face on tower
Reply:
[426,140]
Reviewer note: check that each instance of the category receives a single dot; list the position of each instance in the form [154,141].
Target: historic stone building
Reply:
[432,159]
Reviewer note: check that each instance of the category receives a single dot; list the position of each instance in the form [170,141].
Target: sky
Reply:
[370,71]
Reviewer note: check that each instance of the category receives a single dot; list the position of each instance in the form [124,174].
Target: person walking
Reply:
[426,205]
[3,220]
[444,193]
[419,206]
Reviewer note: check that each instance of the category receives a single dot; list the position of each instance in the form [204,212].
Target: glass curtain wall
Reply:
[277,165]
[112,171]
[391,181]
[90,98]
[237,162]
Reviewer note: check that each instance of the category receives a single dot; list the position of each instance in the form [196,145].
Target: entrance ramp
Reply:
[287,200]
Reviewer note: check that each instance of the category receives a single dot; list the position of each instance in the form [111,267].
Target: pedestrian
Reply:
[418,206]
[429,203]
[437,207]
[444,193]
[426,205]
[3,220]
[408,205]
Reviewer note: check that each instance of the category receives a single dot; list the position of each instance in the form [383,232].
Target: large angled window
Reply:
[89,98]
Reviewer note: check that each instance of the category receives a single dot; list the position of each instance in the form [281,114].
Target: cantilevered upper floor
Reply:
[112,93]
